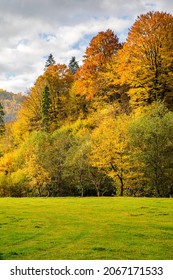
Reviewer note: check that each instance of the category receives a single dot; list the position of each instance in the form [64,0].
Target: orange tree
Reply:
[89,77]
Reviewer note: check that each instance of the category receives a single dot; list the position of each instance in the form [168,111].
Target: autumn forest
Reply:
[102,128]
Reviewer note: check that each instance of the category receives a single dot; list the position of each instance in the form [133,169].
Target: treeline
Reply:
[104,128]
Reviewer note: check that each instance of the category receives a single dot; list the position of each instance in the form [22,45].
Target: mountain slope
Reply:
[11,104]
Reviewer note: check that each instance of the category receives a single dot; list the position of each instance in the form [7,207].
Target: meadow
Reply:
[86,228]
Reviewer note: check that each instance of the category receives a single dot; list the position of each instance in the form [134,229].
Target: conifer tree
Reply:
[50,61]
[2,124]
[45,108]
[73,65]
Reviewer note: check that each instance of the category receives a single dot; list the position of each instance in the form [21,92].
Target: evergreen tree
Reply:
[50,61]
[45,108]
[73,65]
[2,124]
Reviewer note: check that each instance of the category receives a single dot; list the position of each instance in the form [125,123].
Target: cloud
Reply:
[30,30]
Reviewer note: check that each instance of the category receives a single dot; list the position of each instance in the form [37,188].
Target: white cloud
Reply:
[30,30]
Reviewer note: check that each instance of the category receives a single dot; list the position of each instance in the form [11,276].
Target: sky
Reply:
[32,29]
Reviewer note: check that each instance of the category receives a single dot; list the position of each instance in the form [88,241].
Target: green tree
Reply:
[73,65]
[53,158]
[18,184]
[151,137]
[2,124]
[77,161]
[49,61]
[45,108]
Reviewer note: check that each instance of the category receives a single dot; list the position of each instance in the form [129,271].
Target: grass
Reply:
[86,228]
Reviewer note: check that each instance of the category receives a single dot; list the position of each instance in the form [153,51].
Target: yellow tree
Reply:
[110,152]
[58,79]
[7,162]
[37,176]
[146,60]
[31,158]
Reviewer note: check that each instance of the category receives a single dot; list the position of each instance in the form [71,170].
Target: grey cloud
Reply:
[32,29]
[56,11]
[70,12]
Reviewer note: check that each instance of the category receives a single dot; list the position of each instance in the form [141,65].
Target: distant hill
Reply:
[11,103]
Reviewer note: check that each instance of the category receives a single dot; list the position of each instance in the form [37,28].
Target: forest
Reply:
[102,128]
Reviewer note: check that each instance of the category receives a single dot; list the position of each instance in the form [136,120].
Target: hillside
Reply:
[11,103]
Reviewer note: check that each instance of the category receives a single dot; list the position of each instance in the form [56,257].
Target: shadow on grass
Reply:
[1,256]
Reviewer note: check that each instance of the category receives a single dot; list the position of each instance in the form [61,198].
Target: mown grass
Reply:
[86,228]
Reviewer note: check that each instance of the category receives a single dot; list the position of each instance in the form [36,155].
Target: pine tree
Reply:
[73,65]
[45,108]
[50,61]
[2,124]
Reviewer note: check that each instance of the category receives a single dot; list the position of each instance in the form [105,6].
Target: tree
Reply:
[73,65]
[110,151]
[31,159]
[100,51]
[77,161]
[151,136]
[146,60]
[29,117]
[54,160]
[57,81]
[79,174]
[18,184]
[2,124]
[45,108]
[49,61]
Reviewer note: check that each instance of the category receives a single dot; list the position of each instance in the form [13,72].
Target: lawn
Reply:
[86,228]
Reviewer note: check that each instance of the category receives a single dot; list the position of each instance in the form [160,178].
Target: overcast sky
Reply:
[32,29]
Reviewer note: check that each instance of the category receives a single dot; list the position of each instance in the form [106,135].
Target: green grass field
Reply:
[86,228]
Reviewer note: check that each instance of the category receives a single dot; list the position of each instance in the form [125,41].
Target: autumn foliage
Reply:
[99,53]
[146,61]
[102,128]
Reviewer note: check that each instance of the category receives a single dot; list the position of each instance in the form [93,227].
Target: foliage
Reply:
[104,128]
[58,79]
[19,186]
[100,51]
[152,138]
[110,147]
[146,60]
[31,158]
